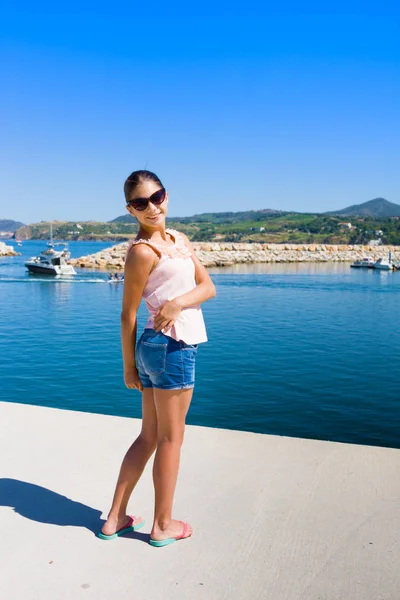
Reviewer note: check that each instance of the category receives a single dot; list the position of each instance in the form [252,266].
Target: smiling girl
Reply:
[161,267]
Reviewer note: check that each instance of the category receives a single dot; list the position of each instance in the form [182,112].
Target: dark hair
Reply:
[136,178]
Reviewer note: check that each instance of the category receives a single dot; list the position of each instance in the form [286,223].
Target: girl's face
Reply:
[154,214]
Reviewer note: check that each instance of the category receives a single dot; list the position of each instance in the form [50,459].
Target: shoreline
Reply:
[213,254]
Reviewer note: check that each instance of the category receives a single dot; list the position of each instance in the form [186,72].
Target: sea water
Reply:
[303,350]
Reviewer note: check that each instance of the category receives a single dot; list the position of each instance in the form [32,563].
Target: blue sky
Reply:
[234,106]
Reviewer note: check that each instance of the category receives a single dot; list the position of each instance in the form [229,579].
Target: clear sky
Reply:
[234,106]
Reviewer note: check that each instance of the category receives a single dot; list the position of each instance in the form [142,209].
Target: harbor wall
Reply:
[213,254]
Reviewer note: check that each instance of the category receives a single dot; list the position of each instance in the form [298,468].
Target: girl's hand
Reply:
[132,380]
[167,315]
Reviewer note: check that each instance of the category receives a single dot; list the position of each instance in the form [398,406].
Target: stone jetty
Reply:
[213,254]
[7,250]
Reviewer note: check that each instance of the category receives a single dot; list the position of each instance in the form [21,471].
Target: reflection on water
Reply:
[304,268]
[282,268]
[58,294]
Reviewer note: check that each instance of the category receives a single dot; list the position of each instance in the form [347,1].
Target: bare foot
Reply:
[175,529]
[112,525]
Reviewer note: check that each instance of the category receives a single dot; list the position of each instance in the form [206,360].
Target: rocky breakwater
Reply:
[7,250]
[225,254]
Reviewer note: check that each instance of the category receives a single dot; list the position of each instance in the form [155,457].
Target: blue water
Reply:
[298,350]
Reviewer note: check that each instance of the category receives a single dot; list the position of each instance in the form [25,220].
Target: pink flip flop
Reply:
[126,529]
[166,542]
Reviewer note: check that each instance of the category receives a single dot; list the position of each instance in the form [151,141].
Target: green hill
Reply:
[353,225]
[378,208]
[216,218]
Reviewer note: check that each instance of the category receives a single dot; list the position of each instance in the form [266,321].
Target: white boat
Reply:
[364,263]
[51,262]
[383,265]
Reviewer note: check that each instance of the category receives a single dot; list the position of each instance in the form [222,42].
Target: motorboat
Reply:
[51,262]
[116,278]
[383,265]
[364,263]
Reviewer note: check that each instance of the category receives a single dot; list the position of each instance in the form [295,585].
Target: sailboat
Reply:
[50,243]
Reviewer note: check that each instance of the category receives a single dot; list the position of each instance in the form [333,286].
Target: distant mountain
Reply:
[220,217]
[377,208]
[9,225]
[123,219]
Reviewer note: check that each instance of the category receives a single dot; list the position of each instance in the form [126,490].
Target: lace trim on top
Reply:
[178,250]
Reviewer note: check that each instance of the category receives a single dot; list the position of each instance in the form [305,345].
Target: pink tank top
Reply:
[173,276]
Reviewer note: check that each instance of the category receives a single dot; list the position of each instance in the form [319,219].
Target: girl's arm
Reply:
[204,290]
[138,266]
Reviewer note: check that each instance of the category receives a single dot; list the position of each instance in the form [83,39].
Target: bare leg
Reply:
[133,465]
[171,407]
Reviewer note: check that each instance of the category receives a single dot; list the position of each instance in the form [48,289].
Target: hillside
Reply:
[71,230]
[347,226]
[10,225]
[377,208]
[217,218]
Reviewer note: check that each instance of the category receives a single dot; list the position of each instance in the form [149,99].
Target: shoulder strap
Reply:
[181,247]
[175,233]
[177,236]
[142,241]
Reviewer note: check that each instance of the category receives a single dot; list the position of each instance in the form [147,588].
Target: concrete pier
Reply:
[274,517]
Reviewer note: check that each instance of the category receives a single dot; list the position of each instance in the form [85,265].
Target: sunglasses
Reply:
[142,203]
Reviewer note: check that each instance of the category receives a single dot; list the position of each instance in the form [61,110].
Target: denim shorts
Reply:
[164,363]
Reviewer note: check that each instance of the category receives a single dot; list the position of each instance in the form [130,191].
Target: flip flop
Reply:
[126,529]
[166,542]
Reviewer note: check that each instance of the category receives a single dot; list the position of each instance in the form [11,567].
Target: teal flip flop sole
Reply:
[167,541]
[103,536]
[159,543]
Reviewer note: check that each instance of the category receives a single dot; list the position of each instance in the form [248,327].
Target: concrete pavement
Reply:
[275,518]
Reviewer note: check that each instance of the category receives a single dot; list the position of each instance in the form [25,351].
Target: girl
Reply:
[161,267]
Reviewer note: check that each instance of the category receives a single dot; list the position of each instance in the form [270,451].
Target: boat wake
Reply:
[50,280]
